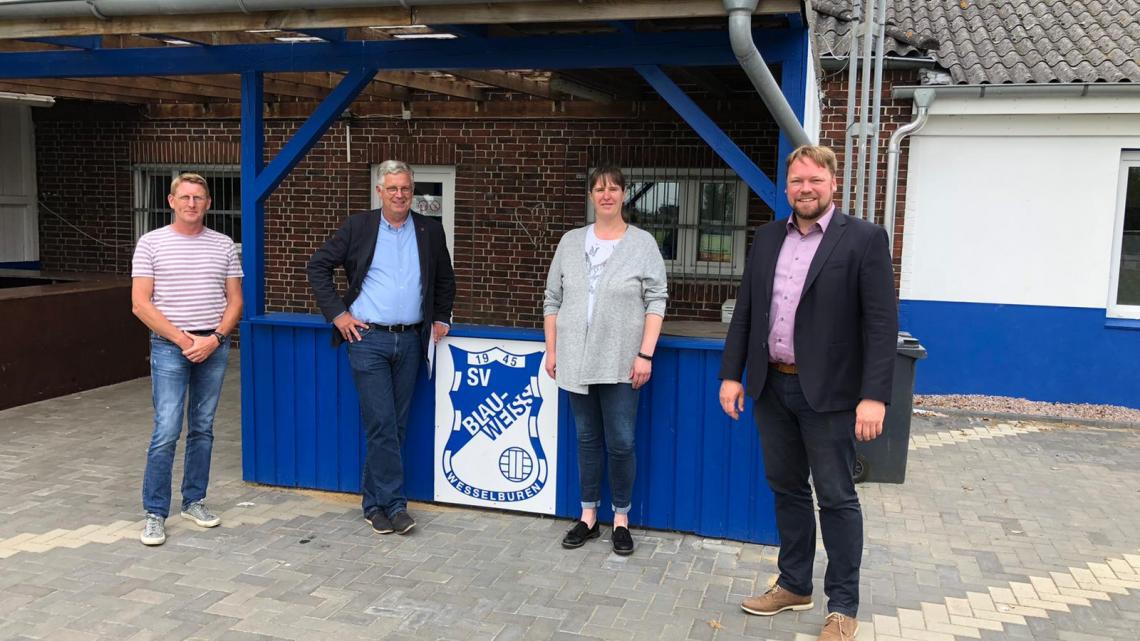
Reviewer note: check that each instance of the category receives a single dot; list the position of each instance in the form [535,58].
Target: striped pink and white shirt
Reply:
[189,274]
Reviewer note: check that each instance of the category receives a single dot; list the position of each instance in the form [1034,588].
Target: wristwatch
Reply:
[222,338]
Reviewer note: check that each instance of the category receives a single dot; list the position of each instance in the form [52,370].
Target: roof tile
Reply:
[1009,41]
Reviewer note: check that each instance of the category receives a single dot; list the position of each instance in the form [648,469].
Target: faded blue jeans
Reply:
[173,379]
[384,366]
[606,418]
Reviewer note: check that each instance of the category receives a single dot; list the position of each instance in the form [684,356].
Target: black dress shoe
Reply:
[623,542]
[579,534]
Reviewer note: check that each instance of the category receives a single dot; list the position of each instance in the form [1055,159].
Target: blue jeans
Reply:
[798,440]
[172,378]
[609,413]
[384,366]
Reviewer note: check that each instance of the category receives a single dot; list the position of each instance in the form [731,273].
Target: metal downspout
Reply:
[922,100]
[864,113]
[740,33]
[849,128]
[876,109]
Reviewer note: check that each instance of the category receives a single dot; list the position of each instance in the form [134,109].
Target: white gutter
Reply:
[740,33]
[1037,90]
[923,97]
[105,9]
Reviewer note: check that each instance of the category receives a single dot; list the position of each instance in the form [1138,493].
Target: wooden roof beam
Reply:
[489,14]
[504,80]
[427,83]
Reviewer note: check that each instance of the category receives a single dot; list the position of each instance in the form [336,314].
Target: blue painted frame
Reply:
[793,84]
[598,51]
[709,131]
[281,352]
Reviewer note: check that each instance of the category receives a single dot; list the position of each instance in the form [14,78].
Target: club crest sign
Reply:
[496,425]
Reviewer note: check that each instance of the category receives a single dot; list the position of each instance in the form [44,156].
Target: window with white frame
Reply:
[698,216]
[152,185]
[433,196]
[1124,293]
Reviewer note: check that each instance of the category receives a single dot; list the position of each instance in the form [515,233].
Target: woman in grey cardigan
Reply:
[604,304]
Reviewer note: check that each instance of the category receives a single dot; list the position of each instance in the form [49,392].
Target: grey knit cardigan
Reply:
[631,286]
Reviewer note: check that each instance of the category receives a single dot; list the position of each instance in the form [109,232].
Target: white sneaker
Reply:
[200,514]
[154,530]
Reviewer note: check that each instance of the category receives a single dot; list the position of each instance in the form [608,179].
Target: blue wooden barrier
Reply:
[698,471]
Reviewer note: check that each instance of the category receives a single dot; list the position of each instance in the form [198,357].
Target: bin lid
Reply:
[908,345]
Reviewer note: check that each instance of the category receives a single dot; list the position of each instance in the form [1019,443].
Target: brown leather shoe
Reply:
[774,601]
[839,628]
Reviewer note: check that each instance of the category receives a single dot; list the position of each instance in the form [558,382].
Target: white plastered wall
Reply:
[1014,200]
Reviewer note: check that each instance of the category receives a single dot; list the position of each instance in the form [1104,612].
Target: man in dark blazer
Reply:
[815,325]
[400,291]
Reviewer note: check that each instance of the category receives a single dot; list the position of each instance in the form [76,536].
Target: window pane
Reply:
[428,199]
[654,206]
[717,214]
[1129,291]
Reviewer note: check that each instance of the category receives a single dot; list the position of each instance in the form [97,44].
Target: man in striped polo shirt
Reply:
[187,290]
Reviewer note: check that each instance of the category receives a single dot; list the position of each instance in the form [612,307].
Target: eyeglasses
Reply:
[185,200]
[392,191]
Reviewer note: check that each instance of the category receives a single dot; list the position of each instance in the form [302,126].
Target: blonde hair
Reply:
[817,154]
[189,178]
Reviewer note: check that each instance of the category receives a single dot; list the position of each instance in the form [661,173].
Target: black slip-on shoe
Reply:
[622,541]
[579,534]
[380,522]
[403,522]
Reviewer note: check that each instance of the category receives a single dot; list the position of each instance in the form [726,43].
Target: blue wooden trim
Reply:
[252,201]
[329,110]
[289,319]
[793,79]
[328,35]
[88,43]
[624,27]
[248,415]
[597,51]
[710,132]
[23,264]
[469,31]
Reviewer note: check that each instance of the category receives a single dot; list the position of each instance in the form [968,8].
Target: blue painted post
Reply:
[253,253]
[252,199]
[710,133]
[326,113]
[793,80]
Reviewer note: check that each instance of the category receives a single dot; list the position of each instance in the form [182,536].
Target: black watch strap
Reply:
[221,338]
[645,356]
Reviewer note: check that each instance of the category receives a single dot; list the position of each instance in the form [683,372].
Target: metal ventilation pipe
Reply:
[740,33]
[922,101]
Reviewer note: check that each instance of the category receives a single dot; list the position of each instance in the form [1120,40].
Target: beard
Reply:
[804,211]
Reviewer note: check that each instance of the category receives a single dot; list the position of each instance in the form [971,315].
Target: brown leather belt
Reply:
[784,368]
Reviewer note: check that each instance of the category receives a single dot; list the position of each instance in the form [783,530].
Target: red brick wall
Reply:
[894,114]
[519,186]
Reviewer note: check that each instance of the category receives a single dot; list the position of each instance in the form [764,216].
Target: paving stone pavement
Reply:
[1003,530]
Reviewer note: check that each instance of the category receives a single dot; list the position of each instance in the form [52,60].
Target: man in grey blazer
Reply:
[400,291]
[815,324]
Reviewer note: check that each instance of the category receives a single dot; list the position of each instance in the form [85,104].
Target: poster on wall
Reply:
[496,425]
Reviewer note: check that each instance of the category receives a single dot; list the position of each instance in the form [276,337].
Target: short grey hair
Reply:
[393,167]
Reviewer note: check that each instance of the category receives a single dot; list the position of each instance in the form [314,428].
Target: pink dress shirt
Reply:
[788,285]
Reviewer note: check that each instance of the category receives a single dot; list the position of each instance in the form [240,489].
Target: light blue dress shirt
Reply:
[392,292]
